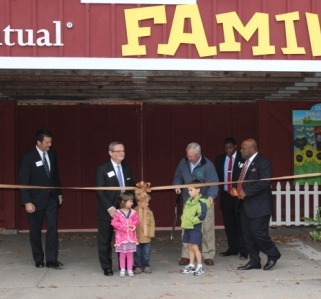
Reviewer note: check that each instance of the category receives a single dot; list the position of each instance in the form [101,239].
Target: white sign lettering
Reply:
[26,37]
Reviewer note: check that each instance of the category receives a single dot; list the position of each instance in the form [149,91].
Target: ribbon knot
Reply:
[142,190]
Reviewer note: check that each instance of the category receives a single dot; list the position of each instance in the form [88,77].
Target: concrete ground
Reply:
[296,275]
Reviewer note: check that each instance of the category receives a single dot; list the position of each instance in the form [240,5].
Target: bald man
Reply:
[256,207]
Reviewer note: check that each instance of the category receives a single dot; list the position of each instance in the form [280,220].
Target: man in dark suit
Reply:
[112,173]
[39,168]
[228,169]
[256,207]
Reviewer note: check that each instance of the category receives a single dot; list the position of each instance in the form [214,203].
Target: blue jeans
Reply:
[142,255]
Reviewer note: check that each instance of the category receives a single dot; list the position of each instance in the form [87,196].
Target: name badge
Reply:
[39,163]
[111,174]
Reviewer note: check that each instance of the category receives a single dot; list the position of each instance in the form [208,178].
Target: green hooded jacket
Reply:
[194,212]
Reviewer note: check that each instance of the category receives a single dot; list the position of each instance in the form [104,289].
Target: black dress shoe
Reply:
[228,253]
[39,264]
[269,264]
[54,264]
[108,272]
[249,267]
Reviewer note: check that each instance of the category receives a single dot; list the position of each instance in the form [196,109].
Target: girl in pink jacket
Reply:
[125,223]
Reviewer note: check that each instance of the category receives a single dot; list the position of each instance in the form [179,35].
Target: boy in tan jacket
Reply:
[145,231]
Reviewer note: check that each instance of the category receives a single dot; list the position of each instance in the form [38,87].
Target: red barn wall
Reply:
[99,30]
[155,137]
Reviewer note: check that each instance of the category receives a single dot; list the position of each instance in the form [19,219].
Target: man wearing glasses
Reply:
[112,173]
[197,167]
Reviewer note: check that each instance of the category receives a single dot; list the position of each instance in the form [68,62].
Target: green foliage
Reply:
[317,221]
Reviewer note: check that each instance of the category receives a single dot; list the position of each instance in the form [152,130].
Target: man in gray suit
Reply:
[112,173]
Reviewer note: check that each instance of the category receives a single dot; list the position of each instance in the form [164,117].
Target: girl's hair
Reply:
[123,198]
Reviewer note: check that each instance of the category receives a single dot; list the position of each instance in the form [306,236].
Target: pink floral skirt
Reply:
[126,247]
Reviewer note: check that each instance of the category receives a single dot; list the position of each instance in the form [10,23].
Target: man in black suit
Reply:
[256,207]
[112,173]
[39,168]
[228,169]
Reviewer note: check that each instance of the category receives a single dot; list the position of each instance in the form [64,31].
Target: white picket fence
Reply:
[294,204]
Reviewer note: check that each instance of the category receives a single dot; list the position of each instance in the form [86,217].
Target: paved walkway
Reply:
[296,275]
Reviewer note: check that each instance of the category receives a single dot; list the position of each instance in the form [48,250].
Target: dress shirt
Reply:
[115,165]
[227,160]
[41,155]
[194,165]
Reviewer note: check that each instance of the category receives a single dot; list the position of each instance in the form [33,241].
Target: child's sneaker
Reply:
[122,273]
[199,271]
[130,273]
[188,269]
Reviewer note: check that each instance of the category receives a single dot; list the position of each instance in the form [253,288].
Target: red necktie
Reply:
[229,175]
[242,175]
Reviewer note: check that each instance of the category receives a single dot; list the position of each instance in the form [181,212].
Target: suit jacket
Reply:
[34,174]
[109,198]
[258,200]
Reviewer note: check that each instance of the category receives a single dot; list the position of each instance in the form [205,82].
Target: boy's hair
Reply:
[123,198]
[196,182]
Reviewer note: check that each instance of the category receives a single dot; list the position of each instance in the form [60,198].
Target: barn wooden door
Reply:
[7,163]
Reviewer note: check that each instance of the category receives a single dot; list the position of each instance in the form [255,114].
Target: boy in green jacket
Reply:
[193,215]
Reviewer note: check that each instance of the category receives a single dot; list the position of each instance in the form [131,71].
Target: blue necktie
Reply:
[45,164]
[120,178]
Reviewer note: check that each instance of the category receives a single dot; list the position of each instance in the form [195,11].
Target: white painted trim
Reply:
[151,2]
[167,64]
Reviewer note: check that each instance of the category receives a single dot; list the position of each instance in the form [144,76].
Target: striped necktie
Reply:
[45,164]
[242,175]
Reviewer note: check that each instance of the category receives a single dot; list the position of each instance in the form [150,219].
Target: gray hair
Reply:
[195,146]
[112,145]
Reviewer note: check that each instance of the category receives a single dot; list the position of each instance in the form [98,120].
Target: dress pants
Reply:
[105,236]
[232,224]
[257,238]
[208,239]
[50,213]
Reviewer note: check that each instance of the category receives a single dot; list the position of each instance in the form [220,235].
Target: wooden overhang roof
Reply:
[90,86]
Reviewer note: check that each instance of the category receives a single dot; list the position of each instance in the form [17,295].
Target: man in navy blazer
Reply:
[42,203]
[256,207]
[107,176]
[229,203]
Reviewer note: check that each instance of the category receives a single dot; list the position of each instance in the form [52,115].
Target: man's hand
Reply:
[241,194]
[60,200]
[112,212]
[210,199]
[178,191]
[30,208]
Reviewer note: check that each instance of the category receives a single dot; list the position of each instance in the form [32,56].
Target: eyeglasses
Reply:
[118,151]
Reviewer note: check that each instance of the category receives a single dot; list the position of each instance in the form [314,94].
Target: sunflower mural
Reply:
[307,143]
